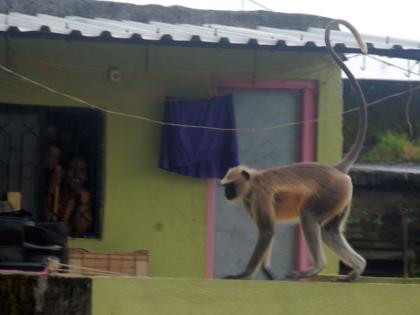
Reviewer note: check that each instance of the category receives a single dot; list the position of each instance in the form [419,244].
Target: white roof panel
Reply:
[210,33]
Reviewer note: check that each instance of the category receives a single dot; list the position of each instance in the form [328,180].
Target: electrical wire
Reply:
[370,56]
[393,65]
[260,5]
[407,107]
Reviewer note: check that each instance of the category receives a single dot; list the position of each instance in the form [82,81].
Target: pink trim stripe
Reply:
[307,151]
[307,154]
[211,224]
[211,220]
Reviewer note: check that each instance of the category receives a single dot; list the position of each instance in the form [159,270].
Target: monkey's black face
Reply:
[230,191]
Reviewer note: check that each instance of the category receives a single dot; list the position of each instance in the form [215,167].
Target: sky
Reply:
[375,17]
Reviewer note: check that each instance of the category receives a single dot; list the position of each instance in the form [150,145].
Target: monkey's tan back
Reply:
[321,188]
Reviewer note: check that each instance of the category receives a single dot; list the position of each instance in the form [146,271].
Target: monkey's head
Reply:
[237,183]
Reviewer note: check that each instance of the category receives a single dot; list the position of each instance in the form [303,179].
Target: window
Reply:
[34,140]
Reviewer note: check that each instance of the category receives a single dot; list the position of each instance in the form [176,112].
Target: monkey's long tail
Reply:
[355,149]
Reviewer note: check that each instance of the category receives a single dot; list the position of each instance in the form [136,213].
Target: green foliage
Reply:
[415,271]
[362,215]
[377,220]
[393,147]
[410,214]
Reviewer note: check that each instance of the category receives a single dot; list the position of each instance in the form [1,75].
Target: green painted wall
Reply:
[146,208]
[181,296]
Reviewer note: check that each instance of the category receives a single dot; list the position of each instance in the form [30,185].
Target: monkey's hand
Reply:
[243,276]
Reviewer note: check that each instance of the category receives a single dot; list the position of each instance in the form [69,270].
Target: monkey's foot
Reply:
[304,274]
[351,277]
[240,276]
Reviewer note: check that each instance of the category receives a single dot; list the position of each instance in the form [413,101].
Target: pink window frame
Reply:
[307,149]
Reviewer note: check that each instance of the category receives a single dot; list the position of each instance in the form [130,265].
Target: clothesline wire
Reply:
[317,65]
[162,123]
[298,65]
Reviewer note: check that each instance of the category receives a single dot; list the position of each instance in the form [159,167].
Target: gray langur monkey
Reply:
[318,195]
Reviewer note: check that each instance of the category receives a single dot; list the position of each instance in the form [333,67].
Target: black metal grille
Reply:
[23,145]
[20,153]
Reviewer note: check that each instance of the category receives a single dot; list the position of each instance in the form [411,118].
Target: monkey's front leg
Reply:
[265,267]
[268,273]
[264,240]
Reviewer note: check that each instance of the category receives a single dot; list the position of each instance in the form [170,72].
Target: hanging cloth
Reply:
[197,152]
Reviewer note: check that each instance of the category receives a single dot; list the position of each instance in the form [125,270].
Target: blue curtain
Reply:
[202,153]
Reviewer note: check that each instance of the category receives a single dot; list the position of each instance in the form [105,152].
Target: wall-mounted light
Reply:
[114,74]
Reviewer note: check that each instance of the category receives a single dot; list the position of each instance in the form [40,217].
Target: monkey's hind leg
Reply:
[332,234]
[312,232]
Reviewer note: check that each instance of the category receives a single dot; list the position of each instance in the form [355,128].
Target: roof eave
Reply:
[396,52]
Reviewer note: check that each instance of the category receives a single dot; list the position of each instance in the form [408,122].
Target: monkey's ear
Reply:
[246,175]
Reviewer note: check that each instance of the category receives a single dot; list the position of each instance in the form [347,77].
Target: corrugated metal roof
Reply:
[210,34]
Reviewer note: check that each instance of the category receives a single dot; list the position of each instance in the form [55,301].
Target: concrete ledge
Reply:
[383,280]
[126,296]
